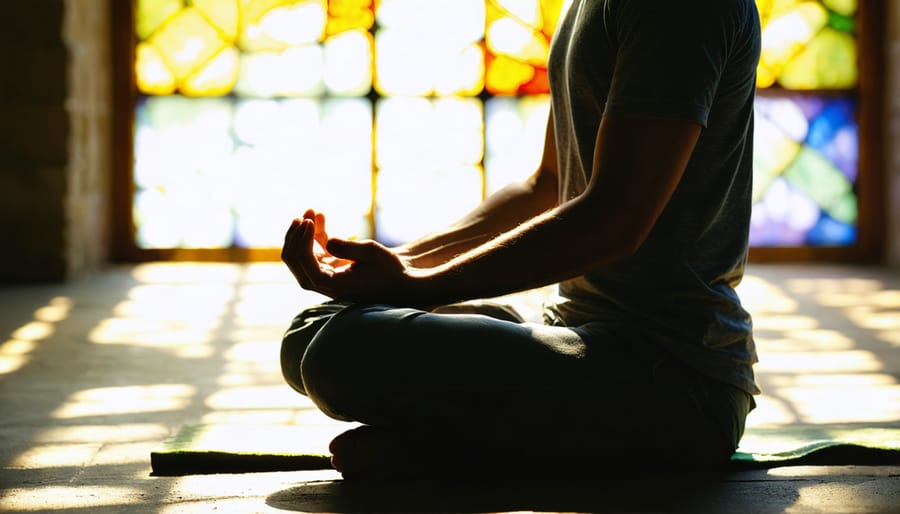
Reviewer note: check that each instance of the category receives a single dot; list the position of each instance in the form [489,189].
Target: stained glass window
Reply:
[806,138]
[397,116]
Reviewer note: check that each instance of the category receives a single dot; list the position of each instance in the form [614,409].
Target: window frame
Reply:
[869,94]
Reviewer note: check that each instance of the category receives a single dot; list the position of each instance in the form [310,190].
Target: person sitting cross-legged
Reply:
[639,213]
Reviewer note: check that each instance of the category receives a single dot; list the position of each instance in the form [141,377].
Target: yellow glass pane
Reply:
[284,26]
[764,76]
[152,75]
[551,11]
[346,15]
[187,42]
[216,78]
[526,12]
[222,14]
[788,31]
[827,62]
[505,75]
[151,14]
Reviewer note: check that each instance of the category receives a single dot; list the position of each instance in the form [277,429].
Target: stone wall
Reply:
[86,32]
[54,131]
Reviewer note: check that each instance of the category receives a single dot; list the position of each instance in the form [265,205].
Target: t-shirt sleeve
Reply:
[670,57]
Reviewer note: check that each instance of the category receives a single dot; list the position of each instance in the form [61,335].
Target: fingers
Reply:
[318,218]
[298,254]
[321,235]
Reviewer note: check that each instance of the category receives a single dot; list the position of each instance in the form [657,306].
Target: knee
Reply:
[333,368]
[297,338]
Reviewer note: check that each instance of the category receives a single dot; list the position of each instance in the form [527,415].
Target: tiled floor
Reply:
[95,373]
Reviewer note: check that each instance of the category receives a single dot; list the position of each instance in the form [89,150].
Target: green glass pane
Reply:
[827,62]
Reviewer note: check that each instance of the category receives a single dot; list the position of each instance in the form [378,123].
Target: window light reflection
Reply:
[59,497]
[785,322]
[848,361]
[764,297]
[771,411]
[110,401]
[821,404]
[806,341]
[14,352]
[120,433]
[56,455]
[891,337]
[186,273]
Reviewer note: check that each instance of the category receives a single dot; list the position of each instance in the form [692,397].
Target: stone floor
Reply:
[95,373]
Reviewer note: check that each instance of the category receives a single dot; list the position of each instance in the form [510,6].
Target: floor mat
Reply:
[802,446]
[203,449]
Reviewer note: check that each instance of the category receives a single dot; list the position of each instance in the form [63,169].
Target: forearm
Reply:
[557,245]
[499,213]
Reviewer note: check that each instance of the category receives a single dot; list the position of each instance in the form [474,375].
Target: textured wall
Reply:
[54,128]
[34,130]
[86,28]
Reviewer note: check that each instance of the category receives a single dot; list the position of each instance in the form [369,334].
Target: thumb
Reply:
[352,250]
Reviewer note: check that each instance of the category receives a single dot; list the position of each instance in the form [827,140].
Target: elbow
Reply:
[625,246]
[619,240]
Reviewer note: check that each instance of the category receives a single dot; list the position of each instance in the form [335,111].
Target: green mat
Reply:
[802,446]
[202,449]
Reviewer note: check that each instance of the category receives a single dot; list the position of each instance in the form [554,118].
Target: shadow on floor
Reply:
[613,494]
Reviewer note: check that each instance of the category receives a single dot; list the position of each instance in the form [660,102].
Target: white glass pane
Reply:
[514,138]
[348,64]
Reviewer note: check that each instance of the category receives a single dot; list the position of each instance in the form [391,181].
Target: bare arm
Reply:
[638,163]
[500,212]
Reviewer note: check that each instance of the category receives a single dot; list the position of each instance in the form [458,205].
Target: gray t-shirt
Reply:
[687,59]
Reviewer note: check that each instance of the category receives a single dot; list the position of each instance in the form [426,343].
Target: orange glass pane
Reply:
[517,40]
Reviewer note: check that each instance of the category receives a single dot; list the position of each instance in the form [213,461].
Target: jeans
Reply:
[554,387]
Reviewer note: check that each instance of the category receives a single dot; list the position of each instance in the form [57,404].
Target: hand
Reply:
[363,271]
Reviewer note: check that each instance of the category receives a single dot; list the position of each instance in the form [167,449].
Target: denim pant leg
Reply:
[386,366]
[298,336]
[309,321]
